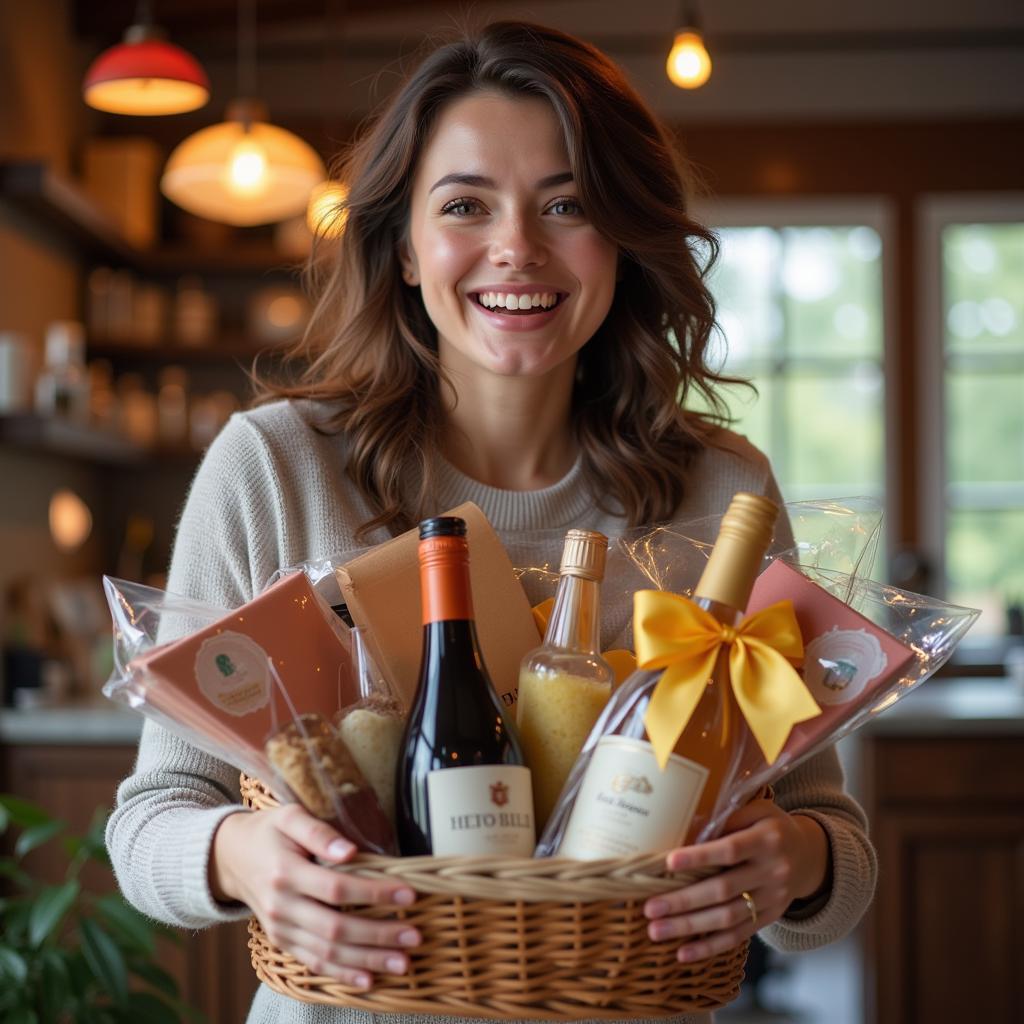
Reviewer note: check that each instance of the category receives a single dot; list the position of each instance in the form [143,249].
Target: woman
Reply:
[516,310]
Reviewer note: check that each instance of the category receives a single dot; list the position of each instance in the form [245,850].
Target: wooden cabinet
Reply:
[947,925]
[212,966]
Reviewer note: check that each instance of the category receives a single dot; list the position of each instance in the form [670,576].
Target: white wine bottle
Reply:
[462,787]
[565,683]
[625,803]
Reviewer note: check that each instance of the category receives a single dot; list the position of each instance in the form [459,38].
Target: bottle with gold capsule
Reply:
[565,683]
[624,802]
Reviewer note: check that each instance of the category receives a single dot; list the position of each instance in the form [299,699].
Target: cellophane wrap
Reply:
[293,723]
[833,544]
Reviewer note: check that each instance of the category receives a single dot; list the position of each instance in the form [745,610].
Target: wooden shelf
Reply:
[66,438]
[230,351]
[66,212]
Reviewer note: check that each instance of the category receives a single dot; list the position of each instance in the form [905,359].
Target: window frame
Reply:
[936,211]
[874,211]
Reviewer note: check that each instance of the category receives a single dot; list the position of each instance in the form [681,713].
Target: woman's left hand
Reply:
[768,858]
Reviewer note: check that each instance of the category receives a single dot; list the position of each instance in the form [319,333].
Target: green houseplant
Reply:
[68,954]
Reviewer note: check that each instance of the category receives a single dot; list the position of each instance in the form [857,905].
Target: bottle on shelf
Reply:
[625,804]
[462,787]
[62,388]
[565,683]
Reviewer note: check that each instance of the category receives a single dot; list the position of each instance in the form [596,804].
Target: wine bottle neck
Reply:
[575,623]
[444,580]
[725,614]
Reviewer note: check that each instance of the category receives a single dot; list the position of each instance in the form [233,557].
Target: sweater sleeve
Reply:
[160,833]
[815,789]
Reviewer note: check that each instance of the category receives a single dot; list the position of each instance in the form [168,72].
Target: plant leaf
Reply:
[104,958]
[151,1008]
[55,987]
[36,836]
[49,909]
[128,923]
[24,813]
[16,921]
[22,1015]
[15,872]
[156,976]
[12,965]
[5,818]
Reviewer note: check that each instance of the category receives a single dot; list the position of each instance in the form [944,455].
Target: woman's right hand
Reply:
[265,860]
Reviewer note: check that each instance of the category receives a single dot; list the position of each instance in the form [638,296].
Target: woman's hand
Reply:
[767,855]
[265,861]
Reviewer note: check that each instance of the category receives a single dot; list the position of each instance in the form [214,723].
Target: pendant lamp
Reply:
[689,63]
[145,75]
[243,171]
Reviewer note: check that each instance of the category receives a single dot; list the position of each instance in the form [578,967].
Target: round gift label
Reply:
[840,663]
[233,673]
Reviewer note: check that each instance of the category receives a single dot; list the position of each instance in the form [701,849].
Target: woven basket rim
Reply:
[531,879]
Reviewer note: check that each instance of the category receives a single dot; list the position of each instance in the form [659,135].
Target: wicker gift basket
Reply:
[551,939]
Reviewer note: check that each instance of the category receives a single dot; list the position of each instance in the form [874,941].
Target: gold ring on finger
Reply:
[751,905]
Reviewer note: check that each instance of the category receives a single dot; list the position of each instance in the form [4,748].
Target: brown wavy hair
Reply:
[371,349]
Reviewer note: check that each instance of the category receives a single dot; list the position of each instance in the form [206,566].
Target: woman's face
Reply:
[495,223]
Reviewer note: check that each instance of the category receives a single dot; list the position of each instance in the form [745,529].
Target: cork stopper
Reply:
[584,554]
[735,561]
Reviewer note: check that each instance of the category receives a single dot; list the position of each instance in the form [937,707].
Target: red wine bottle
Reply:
[462,787]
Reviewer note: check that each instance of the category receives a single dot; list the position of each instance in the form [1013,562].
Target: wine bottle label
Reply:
[481,811]
[626,804]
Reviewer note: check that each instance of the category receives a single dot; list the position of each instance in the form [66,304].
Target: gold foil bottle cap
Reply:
[735,561]
[584,554]
[750,517]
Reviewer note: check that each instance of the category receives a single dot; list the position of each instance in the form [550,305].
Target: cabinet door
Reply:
[213,967]
[950,940]
[947,928]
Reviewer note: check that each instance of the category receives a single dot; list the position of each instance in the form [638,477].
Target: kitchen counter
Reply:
[99,723]
[961,706]
[975,706]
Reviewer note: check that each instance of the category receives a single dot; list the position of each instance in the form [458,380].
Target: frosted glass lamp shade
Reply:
[146,78]
[242,175]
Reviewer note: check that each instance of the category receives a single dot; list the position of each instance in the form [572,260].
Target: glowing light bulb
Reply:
[327,214]
[688,64]
[70,520]
[247,168]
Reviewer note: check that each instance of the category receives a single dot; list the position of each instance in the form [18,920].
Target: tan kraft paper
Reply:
[382,591]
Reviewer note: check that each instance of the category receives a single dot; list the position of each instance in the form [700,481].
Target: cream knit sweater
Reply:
[272,492]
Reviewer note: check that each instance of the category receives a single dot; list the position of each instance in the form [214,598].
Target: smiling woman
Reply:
[519,163]
[512,316]
[513,275]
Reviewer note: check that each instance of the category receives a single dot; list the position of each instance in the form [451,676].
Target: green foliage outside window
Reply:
[801,316]
[983,352]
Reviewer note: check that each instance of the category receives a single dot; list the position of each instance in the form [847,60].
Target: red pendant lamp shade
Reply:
[145,75]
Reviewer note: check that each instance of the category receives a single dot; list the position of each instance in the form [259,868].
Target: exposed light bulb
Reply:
[688,64]
[70,520]
[327,214]
[247,168]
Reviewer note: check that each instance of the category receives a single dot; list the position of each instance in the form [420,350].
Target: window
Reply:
[973,352]
[802,315]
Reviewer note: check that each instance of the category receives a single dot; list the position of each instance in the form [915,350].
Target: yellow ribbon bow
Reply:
[673,633]
[622,662]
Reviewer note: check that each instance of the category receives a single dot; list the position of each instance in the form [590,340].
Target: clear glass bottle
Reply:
[625,804]
[565,683]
